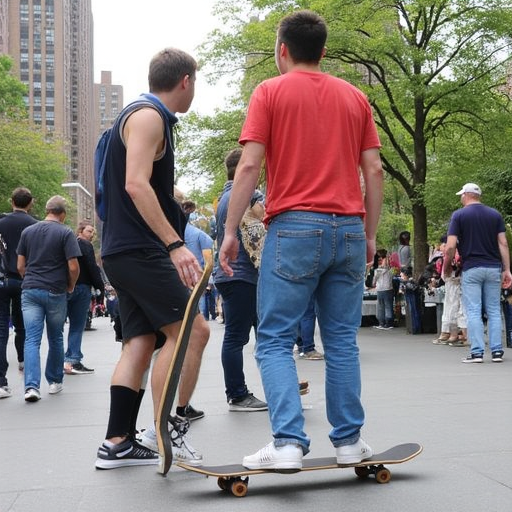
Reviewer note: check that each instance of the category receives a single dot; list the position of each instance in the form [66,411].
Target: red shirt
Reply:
[314,128]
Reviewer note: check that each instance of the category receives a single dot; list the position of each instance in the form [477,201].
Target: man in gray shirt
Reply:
[47,260]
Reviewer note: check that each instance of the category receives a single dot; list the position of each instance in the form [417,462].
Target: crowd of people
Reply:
[319,233]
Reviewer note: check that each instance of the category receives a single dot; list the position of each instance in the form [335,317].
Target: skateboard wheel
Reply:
[239,488]
[362,471]
[383,476]
[222,483]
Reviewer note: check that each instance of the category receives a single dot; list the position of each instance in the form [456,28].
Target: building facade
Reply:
[51,43]
[108,102]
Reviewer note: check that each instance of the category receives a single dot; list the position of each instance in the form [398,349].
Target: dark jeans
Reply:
[239,306]
[10,309]
[209,303]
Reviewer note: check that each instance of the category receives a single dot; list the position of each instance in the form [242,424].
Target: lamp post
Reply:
[83,204]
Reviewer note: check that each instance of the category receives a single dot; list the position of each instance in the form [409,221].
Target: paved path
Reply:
[413,391]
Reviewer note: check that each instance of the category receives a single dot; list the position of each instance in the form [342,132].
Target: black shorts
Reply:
[150,291]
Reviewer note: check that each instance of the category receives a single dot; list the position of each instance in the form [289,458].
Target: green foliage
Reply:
[28,160]
[434,72]
[11,91]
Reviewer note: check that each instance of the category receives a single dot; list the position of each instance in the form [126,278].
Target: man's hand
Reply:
[228,252]
[187,266]
[506,279]
[371,249]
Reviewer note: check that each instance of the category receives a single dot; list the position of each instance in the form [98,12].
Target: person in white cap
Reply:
[479,233]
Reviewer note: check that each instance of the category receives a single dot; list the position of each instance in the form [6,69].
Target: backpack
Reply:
[101,153]
[3,260]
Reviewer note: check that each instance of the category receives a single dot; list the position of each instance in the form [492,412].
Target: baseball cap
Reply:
[470,188]
[56,204]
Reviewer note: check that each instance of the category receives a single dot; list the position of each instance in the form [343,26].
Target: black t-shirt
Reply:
[47,247]
[11,227]
[90,273]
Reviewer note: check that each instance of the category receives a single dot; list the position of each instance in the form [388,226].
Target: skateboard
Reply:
[174,371]
[229,477]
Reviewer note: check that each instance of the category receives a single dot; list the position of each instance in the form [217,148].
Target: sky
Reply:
[127,33]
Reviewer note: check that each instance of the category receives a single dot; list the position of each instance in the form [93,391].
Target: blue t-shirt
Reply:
[476,227]
[197,241]
[243,268]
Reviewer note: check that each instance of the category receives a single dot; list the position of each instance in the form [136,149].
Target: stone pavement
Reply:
[413,391]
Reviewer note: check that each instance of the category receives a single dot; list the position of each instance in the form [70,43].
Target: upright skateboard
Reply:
[174,371]
[229,477]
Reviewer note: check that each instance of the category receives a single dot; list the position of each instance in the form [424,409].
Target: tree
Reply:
[11,91]
[434,72]
[26,158]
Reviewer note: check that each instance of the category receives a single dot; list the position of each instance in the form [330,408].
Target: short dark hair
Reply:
[168,67]
[304,33]
[404,236]
[21,197]
[231,161]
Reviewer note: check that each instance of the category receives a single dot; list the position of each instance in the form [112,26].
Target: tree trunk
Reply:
[420,245]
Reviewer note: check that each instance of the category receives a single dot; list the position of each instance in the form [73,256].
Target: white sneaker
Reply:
[182,450]
[288,456]
[353,453]
[5,391]
[32,395]
[55,387]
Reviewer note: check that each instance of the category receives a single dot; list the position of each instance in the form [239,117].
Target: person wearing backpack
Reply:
[145,258]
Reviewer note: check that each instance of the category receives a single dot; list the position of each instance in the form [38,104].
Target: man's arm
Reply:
[73,273]
[449,254]
[144,140]
[371,167]
[21,265]
[244,184]
[506,277]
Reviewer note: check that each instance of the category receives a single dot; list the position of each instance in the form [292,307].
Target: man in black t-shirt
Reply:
[11,226]
[48,261]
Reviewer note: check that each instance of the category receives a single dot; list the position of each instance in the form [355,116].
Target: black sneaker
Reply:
[80,369]
[497,356]
[474,358]
[191,414]
[127,453]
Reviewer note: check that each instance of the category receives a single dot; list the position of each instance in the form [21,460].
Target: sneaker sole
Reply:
[121,463]
[351,460]
[283,467]
[237,408]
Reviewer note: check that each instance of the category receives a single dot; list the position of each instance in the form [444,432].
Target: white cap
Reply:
[470,188]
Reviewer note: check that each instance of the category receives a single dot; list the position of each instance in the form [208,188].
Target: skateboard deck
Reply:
[229,477]
[174,371]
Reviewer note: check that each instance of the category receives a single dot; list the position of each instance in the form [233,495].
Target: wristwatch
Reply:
[175,245]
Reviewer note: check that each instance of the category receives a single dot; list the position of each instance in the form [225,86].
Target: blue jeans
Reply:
[306,339]
[10,310]
[308,253]
[78,306]
[481,286]
[38,305]
[239,306]
[385,308]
